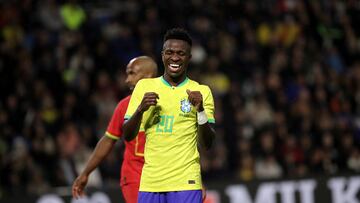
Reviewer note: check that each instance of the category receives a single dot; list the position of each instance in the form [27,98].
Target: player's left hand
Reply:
[195,98]
[79,186]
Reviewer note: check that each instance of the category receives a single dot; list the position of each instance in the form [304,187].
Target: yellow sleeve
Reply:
[135,100]
[208,103]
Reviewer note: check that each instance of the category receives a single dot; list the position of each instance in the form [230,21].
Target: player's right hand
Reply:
[149,99]
[203,192]
[79,186]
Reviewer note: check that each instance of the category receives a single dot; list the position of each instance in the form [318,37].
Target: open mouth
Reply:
[174,67]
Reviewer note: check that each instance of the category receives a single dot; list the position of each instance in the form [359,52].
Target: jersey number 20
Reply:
[165,125]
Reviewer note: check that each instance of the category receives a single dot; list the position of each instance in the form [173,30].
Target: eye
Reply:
[182,53]
[168,52]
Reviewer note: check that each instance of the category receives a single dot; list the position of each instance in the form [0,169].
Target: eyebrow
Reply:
[176,50]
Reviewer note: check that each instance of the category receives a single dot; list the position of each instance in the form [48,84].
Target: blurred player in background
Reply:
[171,109]
[138,68]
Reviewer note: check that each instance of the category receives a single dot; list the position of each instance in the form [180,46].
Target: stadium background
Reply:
[285,75]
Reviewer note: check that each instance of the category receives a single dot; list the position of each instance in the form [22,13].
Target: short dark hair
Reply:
[178,33]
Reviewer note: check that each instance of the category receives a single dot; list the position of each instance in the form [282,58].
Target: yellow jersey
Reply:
[172,161]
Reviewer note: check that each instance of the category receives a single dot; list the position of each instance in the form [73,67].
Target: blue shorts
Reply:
[187,196]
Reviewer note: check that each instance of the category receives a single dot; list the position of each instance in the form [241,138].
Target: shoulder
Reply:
[205,88]
[146,81]
[198,86]
[123,103]
[125,100]
[193,82]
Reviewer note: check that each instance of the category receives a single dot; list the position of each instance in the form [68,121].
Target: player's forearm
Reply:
[131,126]
[102,149]
[207,135]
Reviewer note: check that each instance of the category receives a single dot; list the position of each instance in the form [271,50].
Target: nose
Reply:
[127,80]
[175,57]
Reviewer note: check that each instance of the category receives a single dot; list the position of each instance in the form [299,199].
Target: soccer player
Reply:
[171,109]
[138,68]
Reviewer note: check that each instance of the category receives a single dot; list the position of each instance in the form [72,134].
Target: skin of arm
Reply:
[206,138]
[131,126]
[102,149]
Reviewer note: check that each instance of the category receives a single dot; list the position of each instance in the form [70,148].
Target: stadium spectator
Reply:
[298,61]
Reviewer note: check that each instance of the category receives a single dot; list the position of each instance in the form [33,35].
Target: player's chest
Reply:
[175,101]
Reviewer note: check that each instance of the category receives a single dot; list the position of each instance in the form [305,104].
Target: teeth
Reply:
[174,65]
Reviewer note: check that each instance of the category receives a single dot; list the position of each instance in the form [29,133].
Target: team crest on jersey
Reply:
[185,106]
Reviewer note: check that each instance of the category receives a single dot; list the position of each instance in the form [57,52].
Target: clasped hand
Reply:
[150,99]
[196,99]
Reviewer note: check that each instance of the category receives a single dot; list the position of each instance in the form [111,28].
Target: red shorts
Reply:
[130,192]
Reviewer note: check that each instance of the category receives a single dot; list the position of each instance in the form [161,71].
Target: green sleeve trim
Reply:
[127,117]
[109,135]
[211,120]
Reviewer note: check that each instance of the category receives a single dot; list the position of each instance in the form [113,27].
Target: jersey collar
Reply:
[169,85]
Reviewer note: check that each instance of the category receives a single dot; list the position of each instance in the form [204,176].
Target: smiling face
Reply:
[176,55]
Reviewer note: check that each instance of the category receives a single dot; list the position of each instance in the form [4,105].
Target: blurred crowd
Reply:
[285,75]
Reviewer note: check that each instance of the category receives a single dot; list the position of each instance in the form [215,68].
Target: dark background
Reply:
[285,76]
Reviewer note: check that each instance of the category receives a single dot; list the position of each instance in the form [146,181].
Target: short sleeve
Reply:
[135,100]
[114,129]
[209,106]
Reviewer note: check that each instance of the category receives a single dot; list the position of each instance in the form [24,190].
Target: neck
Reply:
[174,81]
